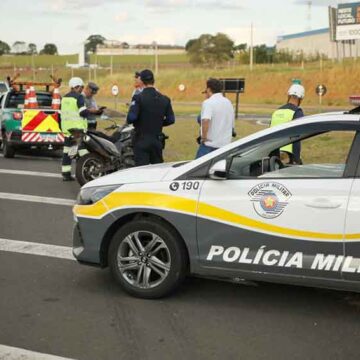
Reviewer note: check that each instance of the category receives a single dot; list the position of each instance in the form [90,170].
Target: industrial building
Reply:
[317,42]
[114,47]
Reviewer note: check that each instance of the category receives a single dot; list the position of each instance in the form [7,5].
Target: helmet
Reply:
[75,82]
[296,90]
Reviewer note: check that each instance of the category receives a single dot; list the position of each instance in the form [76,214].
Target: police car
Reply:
[241,213]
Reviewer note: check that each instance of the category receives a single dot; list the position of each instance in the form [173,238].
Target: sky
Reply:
[68,23]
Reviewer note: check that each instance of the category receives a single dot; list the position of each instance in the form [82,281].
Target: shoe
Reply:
[68,177]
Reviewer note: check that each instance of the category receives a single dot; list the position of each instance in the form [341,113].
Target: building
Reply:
[317,42]
[114,47]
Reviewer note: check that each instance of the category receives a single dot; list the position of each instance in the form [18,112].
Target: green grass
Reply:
[38,60]
[105,60]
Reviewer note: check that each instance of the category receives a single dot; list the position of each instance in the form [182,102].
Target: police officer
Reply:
[288,112]
[73,117]
[138,84]
[91,89]
[149,112]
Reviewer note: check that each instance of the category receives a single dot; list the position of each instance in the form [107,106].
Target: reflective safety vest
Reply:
[70,116]
[282,116]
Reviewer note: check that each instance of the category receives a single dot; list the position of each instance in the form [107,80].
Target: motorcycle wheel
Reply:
[128,160]
[89,167]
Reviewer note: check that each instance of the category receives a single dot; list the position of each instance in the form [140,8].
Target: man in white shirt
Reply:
[217,119]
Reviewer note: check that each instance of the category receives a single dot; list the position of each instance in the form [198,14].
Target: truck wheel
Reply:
[147,258]
[89,167]
[8,150]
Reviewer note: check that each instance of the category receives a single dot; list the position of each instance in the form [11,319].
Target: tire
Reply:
[8,150]
[85,170]
[169,260]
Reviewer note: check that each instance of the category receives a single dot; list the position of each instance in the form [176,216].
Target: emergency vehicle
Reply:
[30,118]
[241,213]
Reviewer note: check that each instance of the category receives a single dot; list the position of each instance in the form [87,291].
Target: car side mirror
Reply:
[218,170]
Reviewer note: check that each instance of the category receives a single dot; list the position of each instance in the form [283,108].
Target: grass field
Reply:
[265,85]
[324,148]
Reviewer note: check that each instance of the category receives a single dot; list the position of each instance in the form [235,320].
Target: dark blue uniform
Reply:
[296,145]
[149,112]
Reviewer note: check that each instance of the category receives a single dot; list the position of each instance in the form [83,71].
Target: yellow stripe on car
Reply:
[175,203]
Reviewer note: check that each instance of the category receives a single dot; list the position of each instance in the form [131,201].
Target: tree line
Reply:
[213,50]
[23,48]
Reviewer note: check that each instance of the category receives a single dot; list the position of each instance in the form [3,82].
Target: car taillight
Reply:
[17,116]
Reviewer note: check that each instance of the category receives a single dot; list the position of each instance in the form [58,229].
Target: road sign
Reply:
[115,90]
[321,90]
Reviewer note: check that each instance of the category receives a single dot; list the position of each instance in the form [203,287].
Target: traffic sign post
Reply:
[320,90]
[115,93]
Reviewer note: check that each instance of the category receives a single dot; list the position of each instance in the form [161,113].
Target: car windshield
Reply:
[16,100]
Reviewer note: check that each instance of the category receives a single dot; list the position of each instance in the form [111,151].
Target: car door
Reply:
[287,221]
[351,262]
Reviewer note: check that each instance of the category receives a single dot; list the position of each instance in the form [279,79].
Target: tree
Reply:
[32,49]
[210,50]
[92,42]
[19,48]
[4,48]
[49,49]
[189,44]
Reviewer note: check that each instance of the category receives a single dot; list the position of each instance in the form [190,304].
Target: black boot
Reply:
[67,177]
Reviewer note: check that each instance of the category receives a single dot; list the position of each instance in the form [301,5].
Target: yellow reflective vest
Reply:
[70,115]
[279,117]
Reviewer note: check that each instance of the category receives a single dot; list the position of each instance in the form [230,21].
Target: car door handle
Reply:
[323,203]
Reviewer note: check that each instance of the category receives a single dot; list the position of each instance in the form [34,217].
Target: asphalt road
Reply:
[55,306]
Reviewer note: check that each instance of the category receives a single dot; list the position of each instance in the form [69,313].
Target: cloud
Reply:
[317,2]
[261,35]
[162,35]
[74,5]
[122,16]
[174,4]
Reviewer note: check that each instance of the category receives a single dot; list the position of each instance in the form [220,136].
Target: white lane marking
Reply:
[30,173]
[34,157]
[13,353]
[31,248]
[37,199]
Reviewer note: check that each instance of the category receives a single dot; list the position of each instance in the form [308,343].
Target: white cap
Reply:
[75,82]
[297,90]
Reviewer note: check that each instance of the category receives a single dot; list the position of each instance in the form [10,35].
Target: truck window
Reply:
[15,100]
[3,87]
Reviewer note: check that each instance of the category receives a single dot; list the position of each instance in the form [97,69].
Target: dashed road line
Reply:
[34,157]
[29,173]
[13,353]
[31,248]
[37,199]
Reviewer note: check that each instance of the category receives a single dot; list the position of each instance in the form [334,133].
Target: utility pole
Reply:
[155,44]
[33,66]
[251,47]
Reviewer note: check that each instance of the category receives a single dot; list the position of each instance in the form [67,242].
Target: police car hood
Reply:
[142,174]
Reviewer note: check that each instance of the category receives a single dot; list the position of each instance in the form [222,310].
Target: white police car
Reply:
[240,212]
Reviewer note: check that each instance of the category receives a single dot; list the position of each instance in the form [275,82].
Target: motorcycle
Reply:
[98,154]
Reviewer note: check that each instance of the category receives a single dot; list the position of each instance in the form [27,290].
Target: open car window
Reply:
[323,155]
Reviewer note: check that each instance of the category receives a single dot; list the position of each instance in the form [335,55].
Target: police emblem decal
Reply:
[269,199]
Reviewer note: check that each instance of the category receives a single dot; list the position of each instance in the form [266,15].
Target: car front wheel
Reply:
[148,258]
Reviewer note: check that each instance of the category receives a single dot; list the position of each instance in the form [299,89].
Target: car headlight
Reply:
[91,195]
